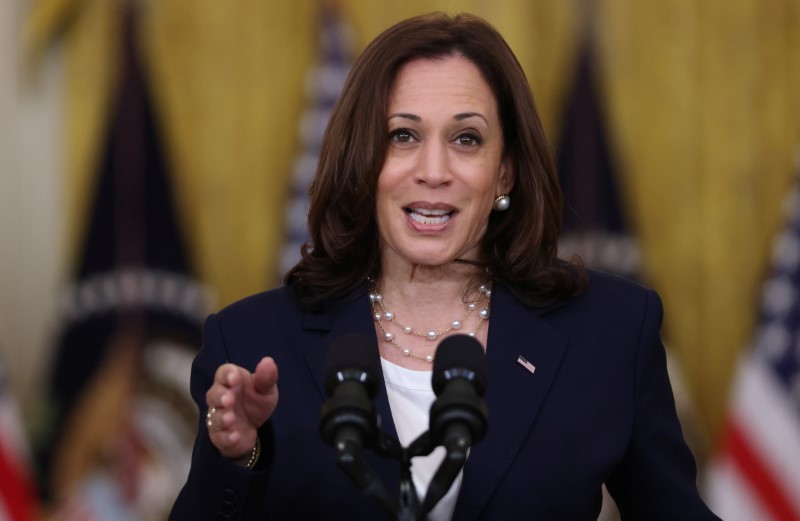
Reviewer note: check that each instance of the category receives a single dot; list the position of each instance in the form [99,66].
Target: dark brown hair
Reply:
[520,244]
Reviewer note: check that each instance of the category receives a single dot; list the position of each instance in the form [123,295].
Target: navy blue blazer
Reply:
[598,409]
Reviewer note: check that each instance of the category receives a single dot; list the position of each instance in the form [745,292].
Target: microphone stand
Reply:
[458,417]
[351,461]
[448,470]
[451,426]
[407,506]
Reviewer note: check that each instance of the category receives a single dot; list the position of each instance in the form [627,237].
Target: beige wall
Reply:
[30,227]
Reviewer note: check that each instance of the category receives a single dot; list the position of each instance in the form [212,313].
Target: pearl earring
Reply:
[502,203]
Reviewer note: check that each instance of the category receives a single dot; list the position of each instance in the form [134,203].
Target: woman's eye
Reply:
[401,136]
[468,140]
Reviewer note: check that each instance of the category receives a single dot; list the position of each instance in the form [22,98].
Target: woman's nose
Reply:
[432,166]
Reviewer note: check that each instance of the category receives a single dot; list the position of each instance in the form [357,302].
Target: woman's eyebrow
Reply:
[458,117]
[465,115]
[405,115]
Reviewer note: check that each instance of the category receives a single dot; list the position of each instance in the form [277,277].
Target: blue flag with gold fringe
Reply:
[119,425]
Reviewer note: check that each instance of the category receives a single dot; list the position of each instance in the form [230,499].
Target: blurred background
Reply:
[154,157]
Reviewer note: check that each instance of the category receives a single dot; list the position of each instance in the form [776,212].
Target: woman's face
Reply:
[444,164]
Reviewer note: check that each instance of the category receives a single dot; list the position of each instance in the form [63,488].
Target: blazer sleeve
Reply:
[217,488]
[657,480]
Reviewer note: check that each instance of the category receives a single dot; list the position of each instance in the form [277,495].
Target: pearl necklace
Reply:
[382,315]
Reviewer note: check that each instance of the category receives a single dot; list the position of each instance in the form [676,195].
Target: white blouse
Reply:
[410,398]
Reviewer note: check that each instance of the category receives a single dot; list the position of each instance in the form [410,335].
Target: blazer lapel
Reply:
[349,315]
[352,314]
[514,395]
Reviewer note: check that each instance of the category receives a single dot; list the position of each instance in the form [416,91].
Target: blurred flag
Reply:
[756,475]
[324,82]
[594,223]
[120,422]
[17,496]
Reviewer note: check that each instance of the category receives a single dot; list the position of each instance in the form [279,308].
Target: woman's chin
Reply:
[435,259]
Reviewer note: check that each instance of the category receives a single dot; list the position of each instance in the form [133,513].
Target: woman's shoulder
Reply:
[611,316]
[610,296]
[602,285]
[277,301]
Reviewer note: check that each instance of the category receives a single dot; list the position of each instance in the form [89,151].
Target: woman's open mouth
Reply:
[428,216]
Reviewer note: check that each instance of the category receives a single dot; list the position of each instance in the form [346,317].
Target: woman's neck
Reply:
[430,285]
[426,304]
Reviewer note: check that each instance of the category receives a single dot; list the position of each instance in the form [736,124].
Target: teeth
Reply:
[425,211]
[430,217]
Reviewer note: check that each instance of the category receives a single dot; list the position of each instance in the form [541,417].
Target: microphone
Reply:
[348,416]
[459,382]
[348,420]
[458,417]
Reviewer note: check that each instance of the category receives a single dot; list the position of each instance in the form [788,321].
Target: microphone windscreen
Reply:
[462,355]
[352,352]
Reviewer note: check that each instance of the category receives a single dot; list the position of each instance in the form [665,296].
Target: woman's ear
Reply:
[507,176]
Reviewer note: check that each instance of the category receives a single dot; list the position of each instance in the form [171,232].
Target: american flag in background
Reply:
[324,82]
[17,498]
[756,475]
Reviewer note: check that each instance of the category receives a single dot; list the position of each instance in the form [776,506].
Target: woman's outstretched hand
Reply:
[239,402]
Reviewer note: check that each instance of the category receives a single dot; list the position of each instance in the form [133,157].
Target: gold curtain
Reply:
[227,79]
[703,104]
[230,84]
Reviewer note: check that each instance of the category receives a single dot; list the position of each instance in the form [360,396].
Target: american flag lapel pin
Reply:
[527,365]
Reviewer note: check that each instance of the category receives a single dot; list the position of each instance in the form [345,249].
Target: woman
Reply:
[435,202]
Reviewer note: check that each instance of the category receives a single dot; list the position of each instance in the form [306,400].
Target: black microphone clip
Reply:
[348,417]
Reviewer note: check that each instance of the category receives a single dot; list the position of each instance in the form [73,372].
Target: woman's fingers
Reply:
[226,389]
[265,376]
[238,403]
[227,429]
[228,375]
[220,419]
